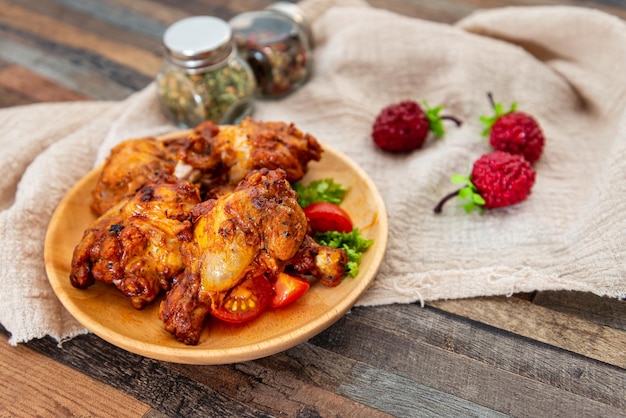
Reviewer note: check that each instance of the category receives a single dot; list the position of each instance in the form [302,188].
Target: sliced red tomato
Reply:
[325,216]
[288,289]
[245,301]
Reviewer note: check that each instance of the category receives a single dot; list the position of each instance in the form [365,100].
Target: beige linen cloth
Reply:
[566,66]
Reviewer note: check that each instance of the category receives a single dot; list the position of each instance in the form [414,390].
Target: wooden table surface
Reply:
[540,354]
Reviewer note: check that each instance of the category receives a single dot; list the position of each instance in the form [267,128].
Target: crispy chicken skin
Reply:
[326,264]
[258,229]
[216,157]
[185,308]
[129,165]
[135,245]
[224,155]
[250,232]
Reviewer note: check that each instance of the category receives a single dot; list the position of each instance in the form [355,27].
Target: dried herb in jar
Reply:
[203,77]
[221,95]
[276,47]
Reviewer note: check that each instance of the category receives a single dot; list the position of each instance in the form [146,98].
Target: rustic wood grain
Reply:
[431,364]
[35,385]
[155,11]
[500,349]
[34,87]
[142,32]
[76,70]
[56,32]
[603,311]
[478,380]
[150,381]
[551,327]
[274,386]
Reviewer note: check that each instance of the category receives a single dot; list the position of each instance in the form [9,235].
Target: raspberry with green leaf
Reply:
[404,126]
[498,179]
[513,131]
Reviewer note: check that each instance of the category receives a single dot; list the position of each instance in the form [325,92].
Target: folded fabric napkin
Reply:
[563,65]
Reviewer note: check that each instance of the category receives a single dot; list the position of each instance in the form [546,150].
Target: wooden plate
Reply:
[103,310]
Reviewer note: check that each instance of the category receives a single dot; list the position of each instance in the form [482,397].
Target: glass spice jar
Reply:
[202,76]
[276,43]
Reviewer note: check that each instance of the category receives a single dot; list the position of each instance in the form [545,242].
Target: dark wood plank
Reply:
[589,307]
[10,97]
[105,28]
[541,324]
[447,364]
[477,363]
[277,387]
[35,385]
[373,386]
[35,88]
[94,76]
[122,16]
[59,37]
[266,386]
[149,381]
[154,10]
[526,357]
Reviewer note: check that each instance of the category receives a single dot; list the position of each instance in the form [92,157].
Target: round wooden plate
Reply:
[103,310]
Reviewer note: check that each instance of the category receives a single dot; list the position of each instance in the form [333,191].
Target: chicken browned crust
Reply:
[216,157]
[135,245]
[129,165]
[258,229]
[198,216]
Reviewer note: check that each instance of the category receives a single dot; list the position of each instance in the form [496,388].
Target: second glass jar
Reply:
[276,43]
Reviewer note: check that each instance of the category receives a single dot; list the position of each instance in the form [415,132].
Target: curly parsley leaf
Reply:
[352,242]
[325,190]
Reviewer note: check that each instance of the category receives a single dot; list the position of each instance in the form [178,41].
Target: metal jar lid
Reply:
[198,42]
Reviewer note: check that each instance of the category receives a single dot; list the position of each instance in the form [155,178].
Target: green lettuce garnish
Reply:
[352,242]
[325,190]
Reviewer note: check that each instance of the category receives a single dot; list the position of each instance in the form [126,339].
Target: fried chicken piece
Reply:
[250,232]
[135,245]
[224,155]
[258,229]
[185,308]
[324,263]
[218,157]
[131,164]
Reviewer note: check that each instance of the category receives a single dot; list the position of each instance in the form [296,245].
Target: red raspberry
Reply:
[498,179]
[514,132]
[502,179]
[404,126]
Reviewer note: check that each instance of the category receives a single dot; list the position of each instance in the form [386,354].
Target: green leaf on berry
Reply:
[465,193]
[470,192]
[434,120]
[459,179]
[499,111]
[478,199]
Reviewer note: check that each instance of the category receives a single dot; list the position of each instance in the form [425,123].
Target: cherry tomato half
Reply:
[288,289]
[245,301]
[325,216]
